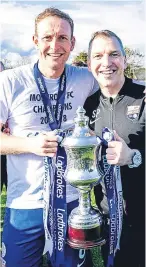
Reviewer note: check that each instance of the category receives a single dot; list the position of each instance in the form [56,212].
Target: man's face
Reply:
[54,42]
[107,62]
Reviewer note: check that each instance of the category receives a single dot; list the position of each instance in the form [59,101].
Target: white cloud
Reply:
[14,57]
[127,20]
[18,25]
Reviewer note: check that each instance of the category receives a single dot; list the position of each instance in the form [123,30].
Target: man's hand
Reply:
[44,144]
[118,153]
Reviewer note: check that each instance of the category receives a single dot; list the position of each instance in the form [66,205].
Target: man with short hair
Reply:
[36,100]
[119,105]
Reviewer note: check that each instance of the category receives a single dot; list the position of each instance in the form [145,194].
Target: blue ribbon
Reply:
[111,174]
[55,211]
[60,206]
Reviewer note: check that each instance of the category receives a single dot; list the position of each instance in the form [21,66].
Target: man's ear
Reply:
[73,41]
[35,41]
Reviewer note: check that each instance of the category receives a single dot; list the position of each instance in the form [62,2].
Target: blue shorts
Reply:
[24,239]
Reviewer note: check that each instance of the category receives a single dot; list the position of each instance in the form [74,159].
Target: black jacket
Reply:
[125,114]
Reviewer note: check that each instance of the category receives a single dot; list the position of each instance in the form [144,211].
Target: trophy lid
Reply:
[81,136]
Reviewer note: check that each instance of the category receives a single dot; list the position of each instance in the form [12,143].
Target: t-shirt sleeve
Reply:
[95,87]
[89,79]
[5,97]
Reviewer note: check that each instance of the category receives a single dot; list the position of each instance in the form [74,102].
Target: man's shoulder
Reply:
[138,88]
[79,71]
[92,98]
[140,85]
[81,76]
[91,103]
[17,72]
[24,70]
[135,88]
[139,82]
[136,83]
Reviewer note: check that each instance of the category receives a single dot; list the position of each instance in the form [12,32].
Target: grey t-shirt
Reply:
[22,107]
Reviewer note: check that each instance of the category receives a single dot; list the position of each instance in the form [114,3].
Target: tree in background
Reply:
[82,57]
[79,63]
[135,63]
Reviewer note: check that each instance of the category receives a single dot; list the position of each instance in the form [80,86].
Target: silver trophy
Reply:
[85,224]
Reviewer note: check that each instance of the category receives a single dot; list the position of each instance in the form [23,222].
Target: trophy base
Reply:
[84,238]
[85,244]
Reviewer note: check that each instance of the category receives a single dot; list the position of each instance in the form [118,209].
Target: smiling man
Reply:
[37,99]
[108,62]
[54,39]
[119,105]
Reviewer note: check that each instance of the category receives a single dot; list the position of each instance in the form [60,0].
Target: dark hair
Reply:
[105,33]
[54,12]
[79,63]
[2,66]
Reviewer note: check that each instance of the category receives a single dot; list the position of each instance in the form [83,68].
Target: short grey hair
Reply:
[108,34]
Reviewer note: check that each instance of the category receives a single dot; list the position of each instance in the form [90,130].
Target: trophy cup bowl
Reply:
[85,224]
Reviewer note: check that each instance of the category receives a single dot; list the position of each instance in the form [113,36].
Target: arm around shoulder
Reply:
[41,145]
[13,145]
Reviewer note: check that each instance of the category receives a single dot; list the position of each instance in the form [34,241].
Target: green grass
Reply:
[96,255]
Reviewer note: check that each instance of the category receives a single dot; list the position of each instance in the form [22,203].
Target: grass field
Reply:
[95,252]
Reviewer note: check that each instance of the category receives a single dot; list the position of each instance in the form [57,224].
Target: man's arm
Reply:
[41,145]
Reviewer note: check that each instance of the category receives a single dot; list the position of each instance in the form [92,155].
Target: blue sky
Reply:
[125,18]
